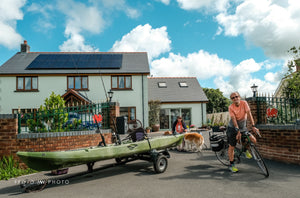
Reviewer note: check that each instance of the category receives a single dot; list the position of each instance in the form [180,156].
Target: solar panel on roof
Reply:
[76,61]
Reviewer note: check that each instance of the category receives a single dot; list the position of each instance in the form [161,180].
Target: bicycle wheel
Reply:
[260,162]
[222,155]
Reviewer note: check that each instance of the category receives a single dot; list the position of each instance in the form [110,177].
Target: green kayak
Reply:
[42,161]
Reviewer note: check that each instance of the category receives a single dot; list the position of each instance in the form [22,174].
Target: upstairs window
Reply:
[121,82]
[77,82]
[183,84]
[27,83]
[162,85]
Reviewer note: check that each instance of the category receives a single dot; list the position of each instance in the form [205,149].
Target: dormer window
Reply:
[183,84]
[162,85]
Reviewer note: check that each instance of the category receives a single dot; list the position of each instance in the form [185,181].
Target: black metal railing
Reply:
[74,118]
[273,110]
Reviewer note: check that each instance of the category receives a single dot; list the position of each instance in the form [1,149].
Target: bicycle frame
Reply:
[246,143]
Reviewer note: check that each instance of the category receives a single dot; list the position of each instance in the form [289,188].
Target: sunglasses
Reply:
[232,98]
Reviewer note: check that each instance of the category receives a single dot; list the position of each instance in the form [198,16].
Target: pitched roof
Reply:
[173,92]
[76,94]
[28,63]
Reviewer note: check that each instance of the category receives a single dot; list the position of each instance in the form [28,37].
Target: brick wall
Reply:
[11,141]
[278,142]
[281,144]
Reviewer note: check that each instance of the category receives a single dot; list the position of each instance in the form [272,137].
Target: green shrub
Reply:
[9,168]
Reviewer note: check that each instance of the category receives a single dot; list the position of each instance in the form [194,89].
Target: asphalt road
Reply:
[187,175]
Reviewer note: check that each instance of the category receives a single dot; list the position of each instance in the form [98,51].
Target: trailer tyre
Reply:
[121,160]
[160,164]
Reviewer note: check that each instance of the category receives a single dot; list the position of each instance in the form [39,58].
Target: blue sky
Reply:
[226,44]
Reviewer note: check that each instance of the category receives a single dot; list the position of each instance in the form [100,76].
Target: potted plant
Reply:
[148,129]
[154,109]
[216,127]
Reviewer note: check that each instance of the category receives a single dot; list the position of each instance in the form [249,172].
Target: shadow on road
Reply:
[183,167]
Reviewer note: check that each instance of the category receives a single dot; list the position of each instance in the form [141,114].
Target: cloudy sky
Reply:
[226,44]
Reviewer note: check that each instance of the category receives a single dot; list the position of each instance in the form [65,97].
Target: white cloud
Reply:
[10,12]
[43,22]
[80,18]
[244,86]
[241,78]
[110,5]
[275,77]
[200,64]
[144,39]
[226,77]
[219,31]
[206,5]
[268,24]
[272,25]
[270,77]
[76,43]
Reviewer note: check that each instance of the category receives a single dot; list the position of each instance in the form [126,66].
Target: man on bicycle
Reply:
[239,110]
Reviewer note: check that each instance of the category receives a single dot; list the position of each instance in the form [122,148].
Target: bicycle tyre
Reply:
[222,155]
[260,162]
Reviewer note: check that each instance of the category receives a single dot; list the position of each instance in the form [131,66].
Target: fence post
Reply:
[19,122]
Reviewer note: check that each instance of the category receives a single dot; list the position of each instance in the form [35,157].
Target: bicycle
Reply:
[219,145]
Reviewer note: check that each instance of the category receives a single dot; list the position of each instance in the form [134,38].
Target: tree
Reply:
[292,82]
[216,101]
[52,114]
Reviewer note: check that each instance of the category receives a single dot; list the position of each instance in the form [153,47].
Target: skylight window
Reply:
[162,85]
[183,84]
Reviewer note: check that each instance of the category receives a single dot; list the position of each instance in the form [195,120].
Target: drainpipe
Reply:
[202,110]
[143,100]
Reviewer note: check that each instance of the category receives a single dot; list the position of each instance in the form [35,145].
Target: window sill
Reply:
[27,90]
[116,89]
[79,89]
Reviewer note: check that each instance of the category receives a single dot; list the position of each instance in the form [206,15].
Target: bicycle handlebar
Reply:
[256,131]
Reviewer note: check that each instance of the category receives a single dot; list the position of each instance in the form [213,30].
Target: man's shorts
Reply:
[231,136]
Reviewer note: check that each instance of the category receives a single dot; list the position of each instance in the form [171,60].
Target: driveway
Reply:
[187,175]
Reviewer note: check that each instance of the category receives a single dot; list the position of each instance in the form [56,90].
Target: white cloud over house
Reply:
[10,13]
[242,77]
[272,25]
[80,18]
[144,38]
[201,64]
[205,5]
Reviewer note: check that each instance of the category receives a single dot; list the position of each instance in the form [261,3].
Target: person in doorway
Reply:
[239,111]
[179,127]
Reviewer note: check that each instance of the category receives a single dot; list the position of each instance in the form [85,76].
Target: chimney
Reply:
[24,47]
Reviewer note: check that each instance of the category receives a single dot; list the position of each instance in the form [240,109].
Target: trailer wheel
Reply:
[121,160]
[160,164]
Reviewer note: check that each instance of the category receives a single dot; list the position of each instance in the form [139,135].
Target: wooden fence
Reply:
[216,118]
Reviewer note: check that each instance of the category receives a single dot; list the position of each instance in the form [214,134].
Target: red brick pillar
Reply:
[258,109]
[114,113]
[8,135]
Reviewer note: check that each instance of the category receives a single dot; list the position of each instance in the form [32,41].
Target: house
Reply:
[279,91]
[28,78]
[178,96]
